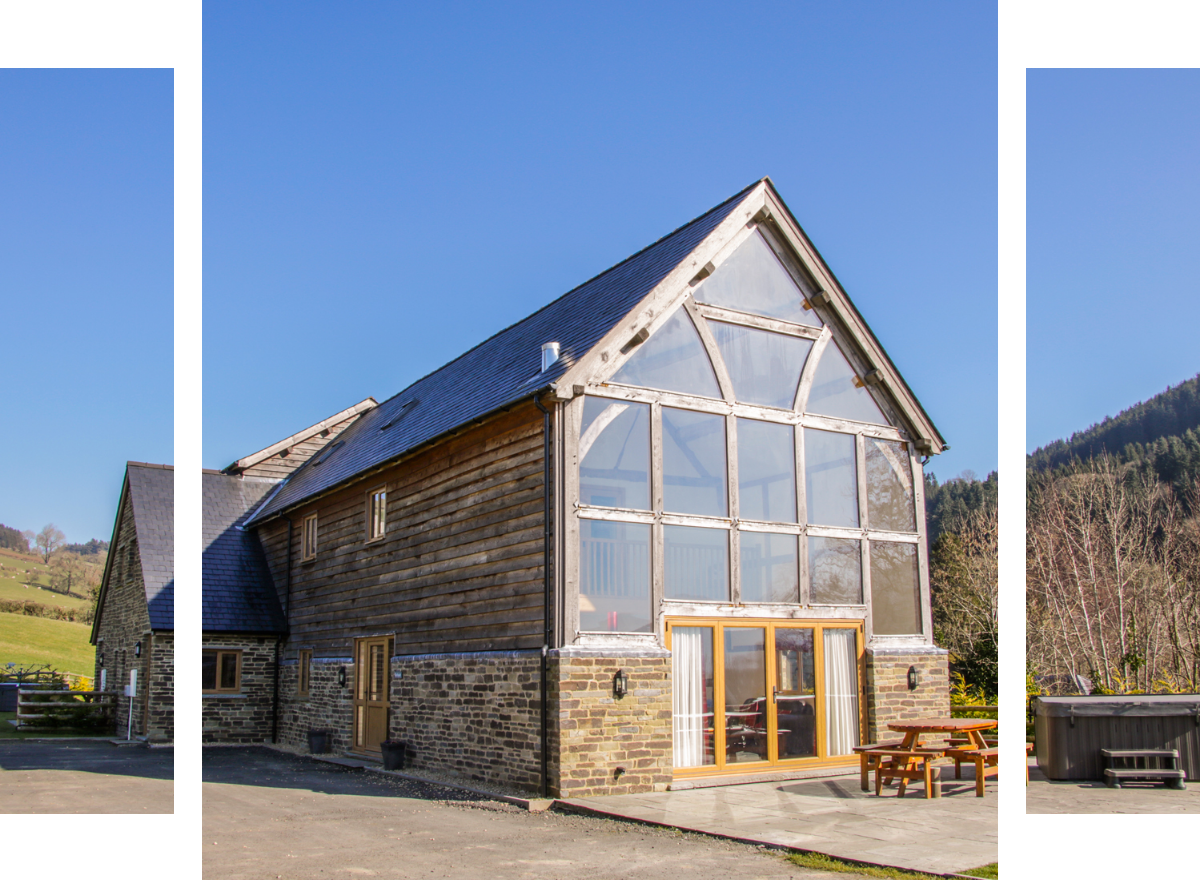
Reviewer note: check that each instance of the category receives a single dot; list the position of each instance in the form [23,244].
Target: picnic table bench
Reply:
[911,761]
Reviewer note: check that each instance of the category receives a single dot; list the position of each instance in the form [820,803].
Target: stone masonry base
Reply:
[888,696]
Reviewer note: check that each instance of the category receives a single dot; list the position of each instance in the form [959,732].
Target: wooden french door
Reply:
[750,694]
[371,668]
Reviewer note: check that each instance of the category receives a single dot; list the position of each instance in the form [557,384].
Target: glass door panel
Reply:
[745,694]
[692,689]
[843,728]
[795,693]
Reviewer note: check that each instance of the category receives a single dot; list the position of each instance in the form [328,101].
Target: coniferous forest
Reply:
[1113,552]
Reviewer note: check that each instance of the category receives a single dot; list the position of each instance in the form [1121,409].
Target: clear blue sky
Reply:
[85,291]
[389,185]
[1113,221]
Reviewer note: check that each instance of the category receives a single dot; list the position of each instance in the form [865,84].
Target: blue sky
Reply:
[1113,218]
[86,291]
[387,187]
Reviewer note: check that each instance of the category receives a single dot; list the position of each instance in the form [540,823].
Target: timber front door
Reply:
[754,693]
[371,693]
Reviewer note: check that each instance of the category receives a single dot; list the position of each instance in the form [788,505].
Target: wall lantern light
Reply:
[137,649]
[620,683]
[342,676]
[101,659]
[914,678]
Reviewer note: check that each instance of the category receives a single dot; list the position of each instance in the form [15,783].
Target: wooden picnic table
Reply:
[893,763]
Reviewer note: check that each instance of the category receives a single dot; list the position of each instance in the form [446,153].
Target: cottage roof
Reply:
[239,595]
[150,489]
[498,372]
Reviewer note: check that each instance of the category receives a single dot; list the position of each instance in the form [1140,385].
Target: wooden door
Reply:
[371,667]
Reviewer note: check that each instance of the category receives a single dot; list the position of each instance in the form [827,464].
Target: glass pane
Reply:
[769,572]
[889,486]
[753,280]
[229,664]
[895,599]
[614,454]
[835,571]
[830,478]
[834,393]
[694,463]
[843,727]
[765,367]
[795,692]
[673,359]
[745,694]
[208,671]
[766,471]
[377,673]
[696,564]
[614,576]
[692,695]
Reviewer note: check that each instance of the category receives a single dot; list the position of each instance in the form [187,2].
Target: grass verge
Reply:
[62,644]
[820,862]
[987,872]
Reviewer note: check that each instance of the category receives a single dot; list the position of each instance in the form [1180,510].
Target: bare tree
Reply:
[964,579]
[48,540]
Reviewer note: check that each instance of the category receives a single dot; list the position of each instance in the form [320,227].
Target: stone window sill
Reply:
[224,696]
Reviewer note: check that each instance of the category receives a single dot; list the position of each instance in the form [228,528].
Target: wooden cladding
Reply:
[459,566]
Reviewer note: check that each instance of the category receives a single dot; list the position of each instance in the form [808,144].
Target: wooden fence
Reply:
[41,707]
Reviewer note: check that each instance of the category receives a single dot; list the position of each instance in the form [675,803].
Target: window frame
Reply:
[308,538]
[219,652]
[304,673]
[733,410]
[373,535]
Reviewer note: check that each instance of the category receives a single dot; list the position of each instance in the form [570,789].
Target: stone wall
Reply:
[244,717]
[476,715]
[603,744]
[888,696]
[160,712]
[328,706]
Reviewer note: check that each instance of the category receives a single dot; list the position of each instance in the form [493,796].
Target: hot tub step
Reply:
[1140,753]
[1173,778]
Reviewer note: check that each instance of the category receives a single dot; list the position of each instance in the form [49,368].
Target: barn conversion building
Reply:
[670,525]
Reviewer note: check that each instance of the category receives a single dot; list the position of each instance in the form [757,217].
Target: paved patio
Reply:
[832,815]
[1047,796]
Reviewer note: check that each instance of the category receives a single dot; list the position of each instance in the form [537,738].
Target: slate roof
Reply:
[239,595]
[152,493]
[498,372]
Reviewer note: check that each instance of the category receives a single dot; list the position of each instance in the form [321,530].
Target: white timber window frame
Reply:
[376,513]
[308,538]
[657,518]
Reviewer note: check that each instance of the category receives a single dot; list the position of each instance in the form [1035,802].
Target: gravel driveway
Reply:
[269,814]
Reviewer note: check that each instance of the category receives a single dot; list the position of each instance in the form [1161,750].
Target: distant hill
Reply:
[948,504]
[1158,437]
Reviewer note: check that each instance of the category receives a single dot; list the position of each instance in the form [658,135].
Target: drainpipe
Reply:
[546,631]
[287,611]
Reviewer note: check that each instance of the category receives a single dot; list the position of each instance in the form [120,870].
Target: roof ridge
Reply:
[595,277]
[365,405]
[147,464]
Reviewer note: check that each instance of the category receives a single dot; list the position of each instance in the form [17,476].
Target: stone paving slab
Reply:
[1071,796]
[832,816]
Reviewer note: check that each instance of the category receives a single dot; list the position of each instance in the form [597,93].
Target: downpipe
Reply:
[547,621]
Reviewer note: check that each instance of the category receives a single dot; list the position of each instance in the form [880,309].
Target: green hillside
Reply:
[37,640]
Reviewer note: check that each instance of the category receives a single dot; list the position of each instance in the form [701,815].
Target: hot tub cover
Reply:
[1126,705]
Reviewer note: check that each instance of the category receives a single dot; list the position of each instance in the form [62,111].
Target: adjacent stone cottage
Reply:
[134,627]
[670,525]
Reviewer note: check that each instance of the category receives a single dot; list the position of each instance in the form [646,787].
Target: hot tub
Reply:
[1071,731]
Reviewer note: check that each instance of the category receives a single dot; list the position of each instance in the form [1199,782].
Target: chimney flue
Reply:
[549,355]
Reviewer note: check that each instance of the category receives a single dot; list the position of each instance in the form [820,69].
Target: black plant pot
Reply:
[318,742]
[393,754]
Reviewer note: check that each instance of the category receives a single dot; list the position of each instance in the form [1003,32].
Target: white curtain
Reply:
[687,686]
[841,691]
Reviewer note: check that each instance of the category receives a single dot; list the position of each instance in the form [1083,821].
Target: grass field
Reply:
[25,579]
[62,644]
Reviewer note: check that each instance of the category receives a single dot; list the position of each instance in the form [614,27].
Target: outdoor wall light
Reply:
[914,678]
[137,649]
[101,659]
[620,683]
[342,676]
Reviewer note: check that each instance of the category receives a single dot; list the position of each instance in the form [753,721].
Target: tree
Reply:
[48,540]
[69,573]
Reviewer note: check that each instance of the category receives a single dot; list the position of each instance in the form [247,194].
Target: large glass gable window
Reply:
[735,466]
[753,280]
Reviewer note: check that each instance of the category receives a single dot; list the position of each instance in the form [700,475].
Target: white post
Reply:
[129,692]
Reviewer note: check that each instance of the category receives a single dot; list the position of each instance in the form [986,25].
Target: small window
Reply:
[221,672]
[308,538]
[376,514]
[305,672]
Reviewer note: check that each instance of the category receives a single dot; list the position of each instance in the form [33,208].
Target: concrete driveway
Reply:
[268,813]
[85,776]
